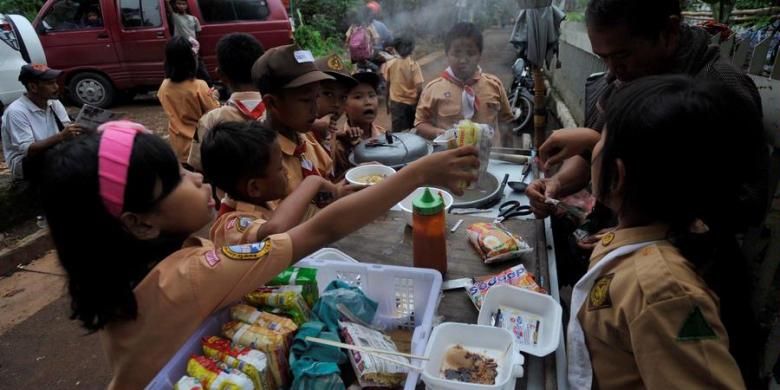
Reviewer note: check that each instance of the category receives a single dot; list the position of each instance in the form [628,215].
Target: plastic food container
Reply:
[496,343]
[541,305]
[408,298]
[406,204]
[357,175]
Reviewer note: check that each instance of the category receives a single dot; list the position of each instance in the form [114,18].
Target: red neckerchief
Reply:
[224,208]
[307,167]
[254,114]
[466,86]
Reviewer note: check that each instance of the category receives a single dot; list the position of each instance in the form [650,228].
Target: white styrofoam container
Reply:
[407,298]
[497,343]
[532,302]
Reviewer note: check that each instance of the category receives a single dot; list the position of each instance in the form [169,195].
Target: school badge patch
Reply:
[244,223]
[253,251]
[696,327]
[334,62]
[599,294]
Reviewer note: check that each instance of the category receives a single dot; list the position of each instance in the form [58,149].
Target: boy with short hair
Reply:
[463,91]
[236,53]
[404,84]
[362,108]
[332,99]
[290,83]
[245,160]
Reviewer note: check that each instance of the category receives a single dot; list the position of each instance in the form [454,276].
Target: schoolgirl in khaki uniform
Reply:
[643,316]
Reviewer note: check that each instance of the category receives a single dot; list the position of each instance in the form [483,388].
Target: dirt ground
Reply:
[41,348]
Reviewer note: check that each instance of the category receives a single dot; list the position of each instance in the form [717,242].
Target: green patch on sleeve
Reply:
[696,327]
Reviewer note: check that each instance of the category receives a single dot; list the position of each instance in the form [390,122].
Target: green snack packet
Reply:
[298,276]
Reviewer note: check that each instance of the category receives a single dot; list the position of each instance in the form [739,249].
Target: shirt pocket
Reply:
[448,111]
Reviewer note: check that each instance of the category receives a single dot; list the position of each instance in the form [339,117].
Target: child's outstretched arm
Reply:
[349,214]
[293,208]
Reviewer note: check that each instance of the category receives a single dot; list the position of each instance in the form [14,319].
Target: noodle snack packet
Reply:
[251,362]
[516,276]
[494,243]
[216,376]
[467,132]
[271,343]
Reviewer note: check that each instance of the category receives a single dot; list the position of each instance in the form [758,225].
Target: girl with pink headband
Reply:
[135,272]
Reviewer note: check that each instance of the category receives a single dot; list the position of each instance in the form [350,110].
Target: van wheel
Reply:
[93,89]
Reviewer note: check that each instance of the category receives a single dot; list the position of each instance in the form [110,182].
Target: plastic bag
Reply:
[215,376]
[289,298]
[479,135]
[250,361]
[494,243]
[516,276]
[297,276]
[265,340]
[370,370]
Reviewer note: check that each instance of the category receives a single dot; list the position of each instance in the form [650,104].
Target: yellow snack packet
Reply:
[250,361]
[214,377]
[265,340]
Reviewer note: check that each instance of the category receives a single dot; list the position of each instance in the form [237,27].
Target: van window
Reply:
[215,11]
[68,15]
[140,13]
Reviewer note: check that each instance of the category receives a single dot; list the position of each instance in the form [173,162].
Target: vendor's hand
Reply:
[566,143]
[538,191]
[71,130]
[589,242]
[449,169]
[343,188]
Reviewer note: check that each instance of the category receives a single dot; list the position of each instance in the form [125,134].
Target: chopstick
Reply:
[370,350]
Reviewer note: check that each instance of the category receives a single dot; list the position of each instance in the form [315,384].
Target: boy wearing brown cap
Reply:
[333,97]
[289,81]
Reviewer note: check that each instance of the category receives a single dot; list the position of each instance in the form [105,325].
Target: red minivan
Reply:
[113,48]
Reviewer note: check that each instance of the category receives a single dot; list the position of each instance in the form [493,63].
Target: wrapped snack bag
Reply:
[250,361]
[297,276]
[516,276]
[265,340]
[188,383]
[289,298]
[494,243]
[371,371]
[467,132]
[215,376]
[285,327]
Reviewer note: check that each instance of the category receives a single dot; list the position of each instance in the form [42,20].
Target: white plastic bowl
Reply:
[355,174]
[406,204]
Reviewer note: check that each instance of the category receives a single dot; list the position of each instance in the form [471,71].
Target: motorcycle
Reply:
[521,96]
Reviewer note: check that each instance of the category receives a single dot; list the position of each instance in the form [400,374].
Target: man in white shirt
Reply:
[35,122]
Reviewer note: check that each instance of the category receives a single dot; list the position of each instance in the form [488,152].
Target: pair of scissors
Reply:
[511,209]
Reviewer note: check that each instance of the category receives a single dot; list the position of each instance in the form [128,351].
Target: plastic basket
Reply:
[408,298]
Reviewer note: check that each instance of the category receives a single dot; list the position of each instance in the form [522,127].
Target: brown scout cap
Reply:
[287,66]
[334,66]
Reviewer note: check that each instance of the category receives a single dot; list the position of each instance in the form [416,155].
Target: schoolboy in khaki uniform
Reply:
[463,90]
[655,292]
[289,82]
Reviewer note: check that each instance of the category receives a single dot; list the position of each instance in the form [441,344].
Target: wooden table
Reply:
[389,241]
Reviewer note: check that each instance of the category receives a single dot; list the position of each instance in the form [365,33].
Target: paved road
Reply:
[41,348]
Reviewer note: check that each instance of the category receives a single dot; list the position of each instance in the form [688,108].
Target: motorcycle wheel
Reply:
[522,110]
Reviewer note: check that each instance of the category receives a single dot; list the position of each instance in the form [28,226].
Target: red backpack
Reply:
[360,46]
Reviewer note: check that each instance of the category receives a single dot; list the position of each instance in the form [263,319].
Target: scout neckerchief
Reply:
[307,167]
[254,113]
[469,99]
[580,366]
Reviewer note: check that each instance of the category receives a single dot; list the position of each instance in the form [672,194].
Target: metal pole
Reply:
[540,110]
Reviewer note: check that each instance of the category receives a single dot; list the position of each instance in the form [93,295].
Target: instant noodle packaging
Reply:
[288,298]
[467,132]
[516,276]
[251,362]
[371,371]
[188,383]
[285,327]
[216,376]
[494,243]
[298,276]
[270,342]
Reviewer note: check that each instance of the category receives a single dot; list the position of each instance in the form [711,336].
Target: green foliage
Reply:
[28,8]
[308,37]
[329,17]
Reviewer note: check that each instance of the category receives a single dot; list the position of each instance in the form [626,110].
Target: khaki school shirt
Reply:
[404,74]
[184,103]
[651,322]
[224,114]
[178,294]
[240,226]
[314,152]
[441,103]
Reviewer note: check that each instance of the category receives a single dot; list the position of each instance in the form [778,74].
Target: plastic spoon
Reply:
[520,186]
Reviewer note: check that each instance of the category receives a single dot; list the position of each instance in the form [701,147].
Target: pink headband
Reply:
[116,146]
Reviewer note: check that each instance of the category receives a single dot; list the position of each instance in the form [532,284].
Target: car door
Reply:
[143,34]
[71,42]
